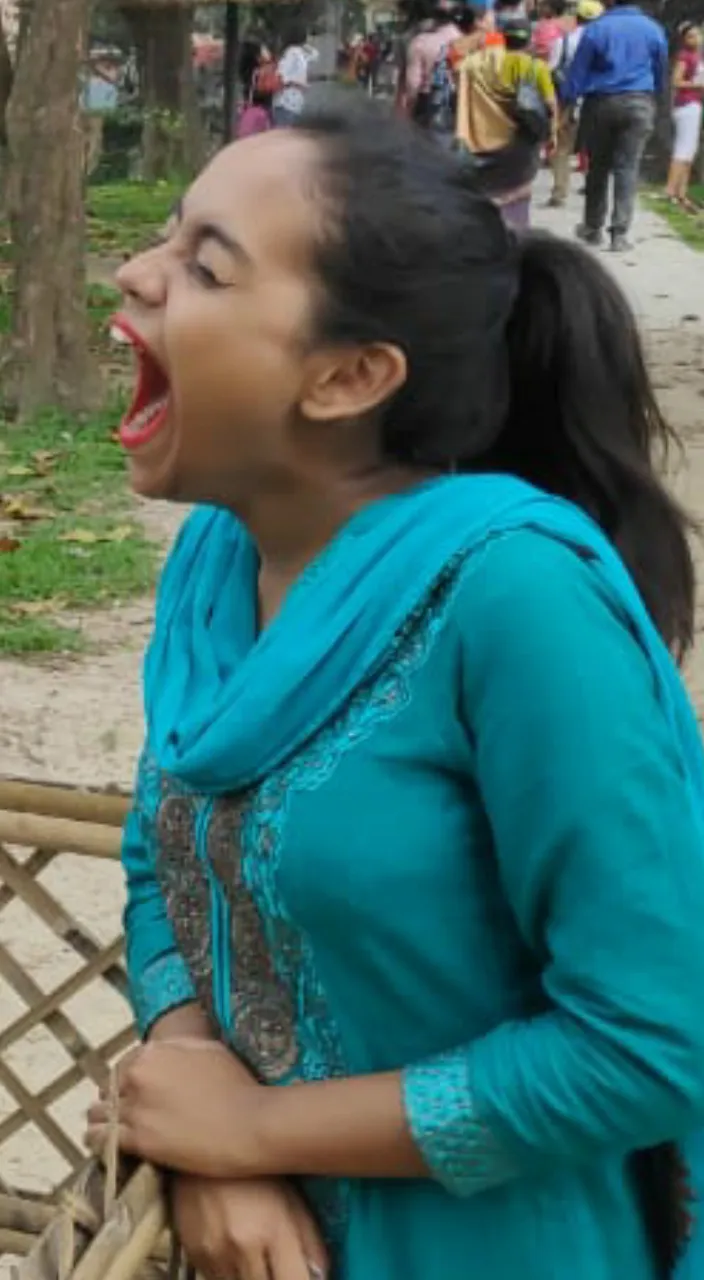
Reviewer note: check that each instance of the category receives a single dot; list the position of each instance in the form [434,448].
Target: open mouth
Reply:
[150,404]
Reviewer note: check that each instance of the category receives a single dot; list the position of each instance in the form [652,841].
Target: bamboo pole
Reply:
[61,835]
[141,1201]
[54,801]
[17,1242]
[140,1245]
[28,1216]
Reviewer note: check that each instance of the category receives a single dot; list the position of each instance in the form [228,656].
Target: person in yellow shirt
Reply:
[506,114]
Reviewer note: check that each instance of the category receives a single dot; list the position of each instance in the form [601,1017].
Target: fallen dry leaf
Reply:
[35,608]
[9,544]
[15,507]
[88,537]
[43,461]
[85,536]
[120,534]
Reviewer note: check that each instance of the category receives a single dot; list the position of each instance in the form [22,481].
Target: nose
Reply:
[143,278]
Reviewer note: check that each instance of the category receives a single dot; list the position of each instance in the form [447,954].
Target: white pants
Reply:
[688,126]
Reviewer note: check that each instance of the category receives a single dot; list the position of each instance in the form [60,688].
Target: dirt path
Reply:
[80,721]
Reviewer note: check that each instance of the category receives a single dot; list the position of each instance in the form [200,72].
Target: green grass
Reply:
[124,216]
[690,226]
[68,536]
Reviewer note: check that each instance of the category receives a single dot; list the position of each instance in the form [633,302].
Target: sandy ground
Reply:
[81,721]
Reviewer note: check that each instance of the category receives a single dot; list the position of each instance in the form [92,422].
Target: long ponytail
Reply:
[584,423]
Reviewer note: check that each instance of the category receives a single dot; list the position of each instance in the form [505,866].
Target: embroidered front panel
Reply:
[183,878]
[263,1012]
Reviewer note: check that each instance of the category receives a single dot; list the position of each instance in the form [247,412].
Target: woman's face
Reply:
[693,39]
[219,316]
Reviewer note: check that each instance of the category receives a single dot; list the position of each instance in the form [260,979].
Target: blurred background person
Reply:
[619,69]
[568,112]
[503,127]
[425,51]
[688,95]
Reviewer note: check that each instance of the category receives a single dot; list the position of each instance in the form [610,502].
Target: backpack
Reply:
[442,95]
[531,113]
[267,80]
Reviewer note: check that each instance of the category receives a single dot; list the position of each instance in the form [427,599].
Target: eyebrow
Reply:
[213,231]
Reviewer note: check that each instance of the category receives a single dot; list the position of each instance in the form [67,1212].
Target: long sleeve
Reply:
[158,977]
[577,79]
[600,859]
[661,63]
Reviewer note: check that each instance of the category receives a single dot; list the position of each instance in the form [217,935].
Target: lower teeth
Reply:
[145,416]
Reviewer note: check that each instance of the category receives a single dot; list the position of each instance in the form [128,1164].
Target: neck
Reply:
[290,528]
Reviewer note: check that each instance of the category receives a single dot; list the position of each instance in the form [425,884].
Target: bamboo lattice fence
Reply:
[51,1055]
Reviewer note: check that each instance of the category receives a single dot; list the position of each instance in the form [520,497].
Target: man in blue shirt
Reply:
[620,67]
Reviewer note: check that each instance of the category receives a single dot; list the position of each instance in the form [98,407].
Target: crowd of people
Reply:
[515,91]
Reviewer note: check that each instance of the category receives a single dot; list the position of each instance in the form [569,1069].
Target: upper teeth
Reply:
[118,335]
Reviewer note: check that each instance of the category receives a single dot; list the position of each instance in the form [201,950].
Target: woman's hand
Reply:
[254,1230]
[185,1105]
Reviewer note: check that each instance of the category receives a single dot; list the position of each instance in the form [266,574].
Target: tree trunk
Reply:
[172,142]
[5,82]
[6,74]
[49,362]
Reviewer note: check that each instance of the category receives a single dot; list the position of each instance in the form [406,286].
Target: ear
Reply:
[347,382]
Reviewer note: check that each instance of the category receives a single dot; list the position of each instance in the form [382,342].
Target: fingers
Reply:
[311,1240]
[254,1267]
[287,1260]
[97,1137]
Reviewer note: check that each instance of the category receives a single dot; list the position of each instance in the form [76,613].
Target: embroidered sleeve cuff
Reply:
[459,1149]
[163,985]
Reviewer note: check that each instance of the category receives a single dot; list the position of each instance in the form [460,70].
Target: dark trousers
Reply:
[616,129]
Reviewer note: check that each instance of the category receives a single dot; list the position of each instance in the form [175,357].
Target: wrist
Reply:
[252,1149]
[187,1022]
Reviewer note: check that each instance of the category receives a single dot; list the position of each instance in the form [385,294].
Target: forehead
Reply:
[256,191]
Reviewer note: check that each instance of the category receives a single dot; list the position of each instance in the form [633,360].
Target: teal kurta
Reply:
[484,870]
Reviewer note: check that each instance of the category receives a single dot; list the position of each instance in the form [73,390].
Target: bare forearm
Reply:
[353,1128]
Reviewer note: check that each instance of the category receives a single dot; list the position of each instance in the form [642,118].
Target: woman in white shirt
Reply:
[293,75]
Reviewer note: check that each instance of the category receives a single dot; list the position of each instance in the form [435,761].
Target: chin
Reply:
[148,482]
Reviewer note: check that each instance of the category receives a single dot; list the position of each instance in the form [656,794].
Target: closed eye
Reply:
[204,275]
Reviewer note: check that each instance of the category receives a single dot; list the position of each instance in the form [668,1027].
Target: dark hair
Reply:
[293,32]
[523,357]
[516,32]
[685,29]
[465,18]
[556,8]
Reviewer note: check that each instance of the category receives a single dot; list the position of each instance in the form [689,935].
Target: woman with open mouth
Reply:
[415,869]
